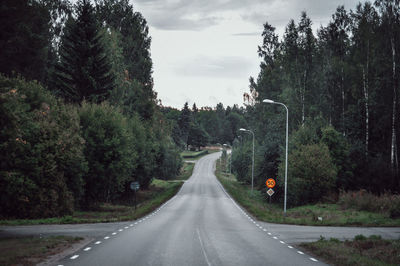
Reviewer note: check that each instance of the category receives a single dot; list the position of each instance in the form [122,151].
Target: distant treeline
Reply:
[341,87]
[342,91]
[79,119]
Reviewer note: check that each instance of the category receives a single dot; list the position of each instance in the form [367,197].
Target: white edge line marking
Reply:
[202,248]
[87,249]
[313,259]
[98,242]
[301,253]
[74,257]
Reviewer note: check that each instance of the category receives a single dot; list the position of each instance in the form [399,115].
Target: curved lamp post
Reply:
[252,165]
[287,137]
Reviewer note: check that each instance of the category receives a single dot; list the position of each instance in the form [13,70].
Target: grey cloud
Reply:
[179,23]
[247,34]
[221,67]
[178,15]
[189,14]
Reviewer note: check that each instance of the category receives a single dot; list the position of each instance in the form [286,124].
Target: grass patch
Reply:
[32,250]
[318,214]
[360,251]
[148,200]
[186,171]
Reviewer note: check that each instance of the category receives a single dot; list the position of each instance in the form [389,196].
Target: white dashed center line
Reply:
[74,257]
[87,249]
[106,237]
[98,242]
[313,259]
[301,253]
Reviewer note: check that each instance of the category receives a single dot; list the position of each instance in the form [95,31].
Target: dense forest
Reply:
[342,91]
[341,87]
[79,119]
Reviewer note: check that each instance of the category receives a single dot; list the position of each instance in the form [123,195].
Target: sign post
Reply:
[135,187]
[270,184]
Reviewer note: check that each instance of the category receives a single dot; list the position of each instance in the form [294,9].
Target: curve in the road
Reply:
[201,225]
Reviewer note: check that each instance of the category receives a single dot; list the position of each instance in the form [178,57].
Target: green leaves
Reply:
[84,72]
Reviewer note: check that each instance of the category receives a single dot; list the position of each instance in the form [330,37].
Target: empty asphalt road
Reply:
[201,225]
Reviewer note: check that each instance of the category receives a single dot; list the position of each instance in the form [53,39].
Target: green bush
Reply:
[394,210]
[366,201]
[40,152]
[241,162]
[311,174]
[109,150]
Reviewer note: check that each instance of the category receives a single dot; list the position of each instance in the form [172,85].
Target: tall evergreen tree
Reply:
[24,38]
[84,71]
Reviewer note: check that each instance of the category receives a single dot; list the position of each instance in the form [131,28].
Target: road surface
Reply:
[201,225]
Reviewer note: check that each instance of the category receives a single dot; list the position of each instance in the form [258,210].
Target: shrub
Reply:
[311,175]
[109,151]
[366,201]
[394,211]
[40,152]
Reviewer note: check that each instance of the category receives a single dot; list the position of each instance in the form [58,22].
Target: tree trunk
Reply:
[393,152]
[303,98]
[342,86]
[366,102]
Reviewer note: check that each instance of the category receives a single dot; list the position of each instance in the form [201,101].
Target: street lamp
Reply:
[287,137]
[252,165]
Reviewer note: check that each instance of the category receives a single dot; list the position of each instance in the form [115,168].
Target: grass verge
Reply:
[32,250]
[186,171]
[360,251]
[148,200]
[318,214]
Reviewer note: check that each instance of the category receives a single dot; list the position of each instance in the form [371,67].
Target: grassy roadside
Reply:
[187,170]
[148,200]
[331,214]
[32,250]
[360,251]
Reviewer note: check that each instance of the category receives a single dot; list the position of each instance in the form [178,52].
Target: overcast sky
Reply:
[204,51]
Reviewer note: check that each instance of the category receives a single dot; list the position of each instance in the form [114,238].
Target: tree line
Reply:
[79,119]
[341,87]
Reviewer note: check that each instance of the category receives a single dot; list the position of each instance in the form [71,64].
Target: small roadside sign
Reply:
[135,186]
[270,192]
[270,183]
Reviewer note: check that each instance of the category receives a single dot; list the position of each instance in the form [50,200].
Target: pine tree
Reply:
[84,71]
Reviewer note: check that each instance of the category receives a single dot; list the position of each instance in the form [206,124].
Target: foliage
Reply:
[109,150]
[84,71]
[311,174]
[366,201]
[241,162]
[42,162]
[25,38]
[372,250]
